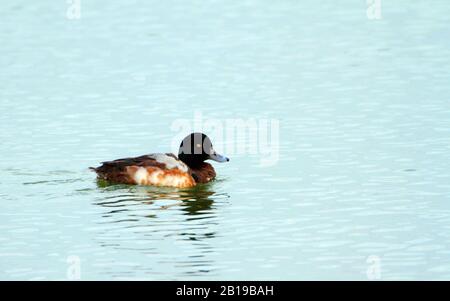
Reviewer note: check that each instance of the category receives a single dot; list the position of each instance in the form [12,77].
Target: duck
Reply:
[165,169]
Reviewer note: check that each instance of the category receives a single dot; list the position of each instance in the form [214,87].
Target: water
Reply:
[361,188]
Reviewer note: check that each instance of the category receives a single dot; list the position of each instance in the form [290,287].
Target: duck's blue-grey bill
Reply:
[218,158]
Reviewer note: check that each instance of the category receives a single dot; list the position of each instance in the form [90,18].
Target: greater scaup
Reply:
[166,169]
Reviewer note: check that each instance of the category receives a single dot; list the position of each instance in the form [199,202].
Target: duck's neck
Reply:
[192,163]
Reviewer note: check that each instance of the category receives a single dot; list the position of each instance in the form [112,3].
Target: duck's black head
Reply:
[196,148]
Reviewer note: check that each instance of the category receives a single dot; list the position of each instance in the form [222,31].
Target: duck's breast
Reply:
[203,173]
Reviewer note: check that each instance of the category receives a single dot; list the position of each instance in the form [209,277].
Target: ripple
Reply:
[362,167]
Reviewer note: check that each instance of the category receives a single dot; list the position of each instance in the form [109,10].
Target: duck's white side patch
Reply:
[153,177]
[159,177]
[170,162]
[140,176]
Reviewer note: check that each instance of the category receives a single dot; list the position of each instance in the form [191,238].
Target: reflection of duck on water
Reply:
[193,200]
[189,224]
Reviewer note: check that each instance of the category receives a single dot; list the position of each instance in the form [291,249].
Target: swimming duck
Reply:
[186,170]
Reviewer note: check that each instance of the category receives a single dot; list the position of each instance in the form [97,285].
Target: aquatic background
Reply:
[361,189]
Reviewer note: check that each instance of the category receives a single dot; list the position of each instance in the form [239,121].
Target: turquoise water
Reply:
[361,188]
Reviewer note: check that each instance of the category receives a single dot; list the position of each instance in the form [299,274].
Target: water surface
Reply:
[363,172]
